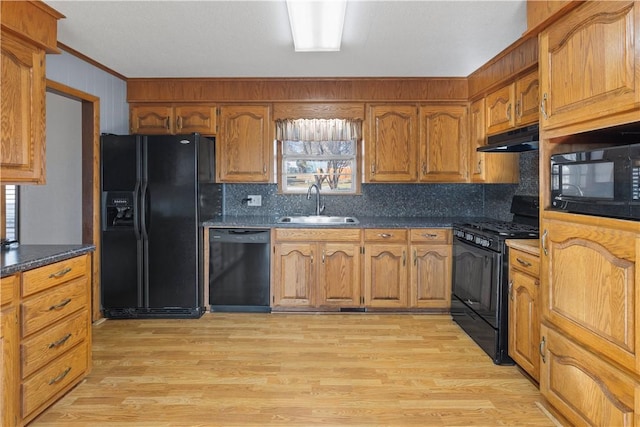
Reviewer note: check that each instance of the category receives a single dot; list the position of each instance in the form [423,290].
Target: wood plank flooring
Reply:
[236,369]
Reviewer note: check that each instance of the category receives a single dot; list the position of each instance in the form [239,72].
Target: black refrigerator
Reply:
[151,249]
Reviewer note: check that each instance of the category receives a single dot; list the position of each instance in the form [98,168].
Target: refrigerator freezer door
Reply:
[170,172]
[121,255]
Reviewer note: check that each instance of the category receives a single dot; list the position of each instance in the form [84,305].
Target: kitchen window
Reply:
[319,151]
[10,211]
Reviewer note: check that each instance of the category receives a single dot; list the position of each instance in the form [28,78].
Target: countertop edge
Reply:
[530,246]
[27,257]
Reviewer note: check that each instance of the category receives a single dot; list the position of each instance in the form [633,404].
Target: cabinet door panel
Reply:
[443,143]
[339,274]
[294,274]
[392,143]
[590,63]
[386,275]
[585,389]
[499,107]
[152,120]
[524,321]
[527,99]
[23,112]
[196,118]
[245,144]
[431,276]
[590,287]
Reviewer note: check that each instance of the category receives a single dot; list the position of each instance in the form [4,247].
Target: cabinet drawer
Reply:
[386,235]
[51,342]
[54,304]
[318,234]
[53,378]
[524,262]
[432,235]
[7,288]
[46,277]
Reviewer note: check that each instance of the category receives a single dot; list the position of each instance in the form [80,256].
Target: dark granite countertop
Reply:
[365,222]
[26,257]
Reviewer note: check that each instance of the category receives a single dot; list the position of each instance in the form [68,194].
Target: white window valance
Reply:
[318,129]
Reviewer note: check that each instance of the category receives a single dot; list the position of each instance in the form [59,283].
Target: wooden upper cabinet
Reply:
[590,67]
[152,119]
[23,83]
[162,119]
[488,167]
[23,112]
[514,105]
[391,140]
[499,104]
[527,99]
[244,146]
[443,143]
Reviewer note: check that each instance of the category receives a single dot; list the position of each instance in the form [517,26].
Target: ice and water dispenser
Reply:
[118,210]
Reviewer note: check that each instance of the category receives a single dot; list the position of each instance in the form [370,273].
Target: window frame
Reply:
[356,173]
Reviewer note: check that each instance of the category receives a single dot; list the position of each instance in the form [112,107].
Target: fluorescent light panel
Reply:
[316,25]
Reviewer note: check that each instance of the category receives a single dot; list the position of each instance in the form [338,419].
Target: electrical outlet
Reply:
[254,200]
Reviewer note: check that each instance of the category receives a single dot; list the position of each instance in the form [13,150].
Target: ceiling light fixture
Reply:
[316,25]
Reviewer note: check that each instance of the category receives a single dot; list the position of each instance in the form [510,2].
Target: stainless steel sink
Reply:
[317,219]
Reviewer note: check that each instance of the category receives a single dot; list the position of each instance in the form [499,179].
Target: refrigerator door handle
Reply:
[144,209]
[136,210]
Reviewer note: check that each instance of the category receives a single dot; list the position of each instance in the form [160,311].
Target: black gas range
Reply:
[479,302]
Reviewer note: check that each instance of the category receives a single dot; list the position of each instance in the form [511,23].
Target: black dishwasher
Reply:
[239,266]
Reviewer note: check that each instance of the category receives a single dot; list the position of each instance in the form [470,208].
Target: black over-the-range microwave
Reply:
[603,182]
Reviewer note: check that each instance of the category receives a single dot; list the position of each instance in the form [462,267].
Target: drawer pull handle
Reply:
[430,236]
[523,262]
[60,377]
[384,235]
[60,341]
[62,304]
[60,273]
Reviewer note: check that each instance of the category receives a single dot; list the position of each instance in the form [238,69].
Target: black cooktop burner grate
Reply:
[503,228]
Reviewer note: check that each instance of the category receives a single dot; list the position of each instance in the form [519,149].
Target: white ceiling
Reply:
[252,38]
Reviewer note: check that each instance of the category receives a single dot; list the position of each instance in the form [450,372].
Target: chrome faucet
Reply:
[319,209]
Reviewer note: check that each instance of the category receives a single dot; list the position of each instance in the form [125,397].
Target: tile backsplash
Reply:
[412,200]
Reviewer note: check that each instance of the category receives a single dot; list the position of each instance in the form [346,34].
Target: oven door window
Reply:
[476,274]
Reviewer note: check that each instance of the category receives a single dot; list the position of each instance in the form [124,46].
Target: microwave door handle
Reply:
[576,187]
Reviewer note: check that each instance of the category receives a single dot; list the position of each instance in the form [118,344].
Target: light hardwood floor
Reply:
[295,370]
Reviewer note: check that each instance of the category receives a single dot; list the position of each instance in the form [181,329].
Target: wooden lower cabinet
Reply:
[386,267]
[9,338]
[524,309]
[328,269]
[317,268]
[55,332]
[585,389]
[430,268]
[590,367]
[589,284]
